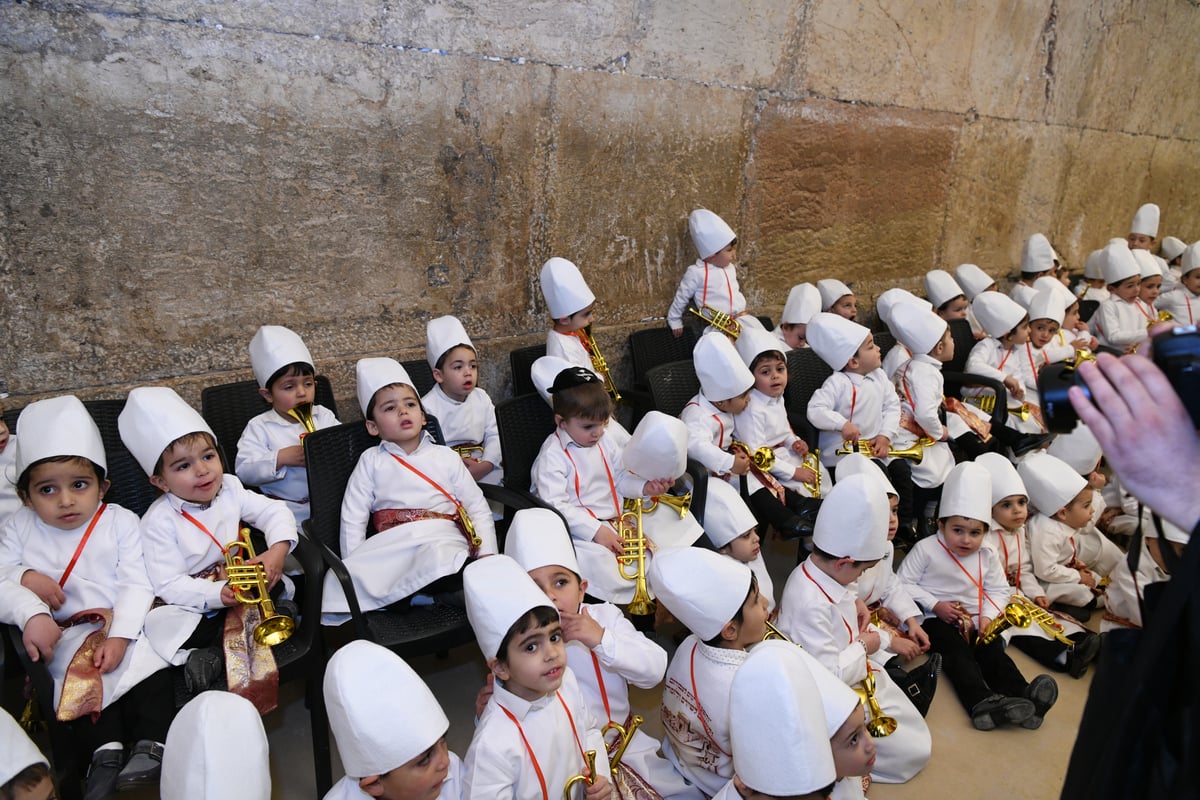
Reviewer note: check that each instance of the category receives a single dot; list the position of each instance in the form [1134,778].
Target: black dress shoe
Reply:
[1079,657]
[144,766]
[1042,691]
[1029,442]
[921,683]
[996,710]
[1080,613]
[203,670]
[102,774]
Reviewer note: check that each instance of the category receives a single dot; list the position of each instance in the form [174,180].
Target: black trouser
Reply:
[899,473]
[144,712]
[1044,651]
[780,514]
[976,672]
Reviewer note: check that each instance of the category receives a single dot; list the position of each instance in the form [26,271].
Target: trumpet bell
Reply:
[680,502]
[719,320]
[274,630]
[303,413]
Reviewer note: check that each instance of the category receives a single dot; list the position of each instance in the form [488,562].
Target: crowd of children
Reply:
[907,567]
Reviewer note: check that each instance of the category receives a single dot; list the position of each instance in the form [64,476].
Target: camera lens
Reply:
[1057,411]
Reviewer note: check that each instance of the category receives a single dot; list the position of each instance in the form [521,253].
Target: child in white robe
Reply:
[1120,321]
[803,303]
[1007,356]
[572,306]
[837,298]
[885,306]
[1183,302]
[711,281]
[732,529]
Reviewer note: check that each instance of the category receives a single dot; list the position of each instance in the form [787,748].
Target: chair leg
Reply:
[319,722]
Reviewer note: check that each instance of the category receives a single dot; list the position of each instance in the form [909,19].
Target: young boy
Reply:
[389,729]
[546,369]
[962,589]
[711,281]
[1046,314]
[1007,356]
[1007,539]
[24,771]
[945,295]
[837,298]
[819,611]
[899,355]
[571,305]
[184,536]
[1120,322]
[803,303]
[1171,251]
[68,559]
[579,472]
[710,426]
[418,496]
[1183,303]
[464,411]
[974,282]
[1037,259]
[270,453]
[732,529]
[1093,287]
[1143,231]
[718,600]
[537,728]
[604,650]
[216,748]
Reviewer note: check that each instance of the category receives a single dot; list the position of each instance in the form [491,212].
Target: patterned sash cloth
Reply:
[83,689]
[765,478]
[386,518]
[627,783]
[981,427]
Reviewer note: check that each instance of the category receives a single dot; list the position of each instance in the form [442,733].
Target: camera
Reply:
[1177,354]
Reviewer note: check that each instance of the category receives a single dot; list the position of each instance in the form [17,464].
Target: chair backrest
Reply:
[672,385]
[1087,308]
[228,407]
[654,346]
[331,454]
[806,373]
[964,340]
[521,363]
[767,322]
[524,422]
[421,374]
[885,340]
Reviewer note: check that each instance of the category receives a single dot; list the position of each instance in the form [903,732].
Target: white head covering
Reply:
[835,339]
[538,538]
[442,335]
[1078,449]
[726,515]
[17,751]
[498,593]
[564,288]
[886,304]
[544,371]
[59,426]
[1037,255]
[967,492]
[1147,264]
[1191,258]
[776,725]
[1005,480]
[1055,285]
[1093,266]
[722,373]
[381,712]
[216,748]
[858,464]
[703,589]
[658,447]
[1119,263]
[153,417]
[1145,221]
[1051,483]
[753,341]
[853,520]
[997,313]
[709,232]
[372,374]
[803,303]
[1047,304]
[831,290]
[972,279]
[941,288]
[1171,247]
[273,348]
[917,329]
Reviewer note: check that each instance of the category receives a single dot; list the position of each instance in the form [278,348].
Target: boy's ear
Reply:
[265,394]
[730,632]
[558,420]
[104,488]
[852,363]
[159,482]
[437,375]
[498,668]
[583,584]
[371,785]
[372,428]
[1058,515]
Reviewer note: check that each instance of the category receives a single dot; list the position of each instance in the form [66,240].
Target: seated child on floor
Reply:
[732,529]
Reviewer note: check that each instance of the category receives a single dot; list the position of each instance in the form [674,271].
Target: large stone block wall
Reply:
[177,172]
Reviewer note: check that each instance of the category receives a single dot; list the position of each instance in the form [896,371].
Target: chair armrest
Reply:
[955,381]
[338,567]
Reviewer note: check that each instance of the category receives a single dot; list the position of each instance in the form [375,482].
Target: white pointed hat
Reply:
[538,538]
[1050,481]
[703,589]
[1190,259]
[442,335]
[972,279]
[273,348]
[916,328]
[997,313]
[835,339]
[941,288]
[1078,449]
[1171,248]
[564,288]
[1093,266]
[1054,284]
[858,464]
[1147,263]
[658,447]
[709,232]
[153,418]
[382,714]
[831,290]
[1037,255]
[498,592]
[59,426]
[1119,263]
[1047,305]
[544,371]
[803,303]
[886,304]
[17,750]
[722,373]
[967,492]
[853,520]
[777,723]
[372,374]
[216,748]
[1005,480]
[754,341]
[1145,221]
[726,515]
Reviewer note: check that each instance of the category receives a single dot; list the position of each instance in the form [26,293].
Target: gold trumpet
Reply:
[624,737]
[586,779]
[248,582]
[600,365]
[773,632]
[465,450]
[813,462]
[719,320]
[1043,618]
[633,554]
[914,453]
[763,458]
[1163,316]
[987,404]
[303,413]
[1015,615]
[680,502]
[879,724]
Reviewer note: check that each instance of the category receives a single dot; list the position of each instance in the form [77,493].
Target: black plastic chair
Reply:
[806,373]
[672,386]
[524,422]
[964,340]
[520,361]
[421,374]
[228,407]
[1087,308]
[654,346]
[766,321]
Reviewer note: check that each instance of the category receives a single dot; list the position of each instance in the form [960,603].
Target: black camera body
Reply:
[1177,354]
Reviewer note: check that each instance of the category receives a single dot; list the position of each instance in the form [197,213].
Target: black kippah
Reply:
[572,377]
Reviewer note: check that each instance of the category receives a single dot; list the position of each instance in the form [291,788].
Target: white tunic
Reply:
[498,766]
[869,401]
[1182,304]
[109,574]
[932,570]
[922,391]
[1012,550]
[452,787]
[1119,324]
[1053,545]
[705,284]
[1023,294]
[879,584]
[1123,597]
[569,348]
[764,423]
[258,451]
[991,359]
[473,421]
[710,433]
[9,500]
[398,561]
